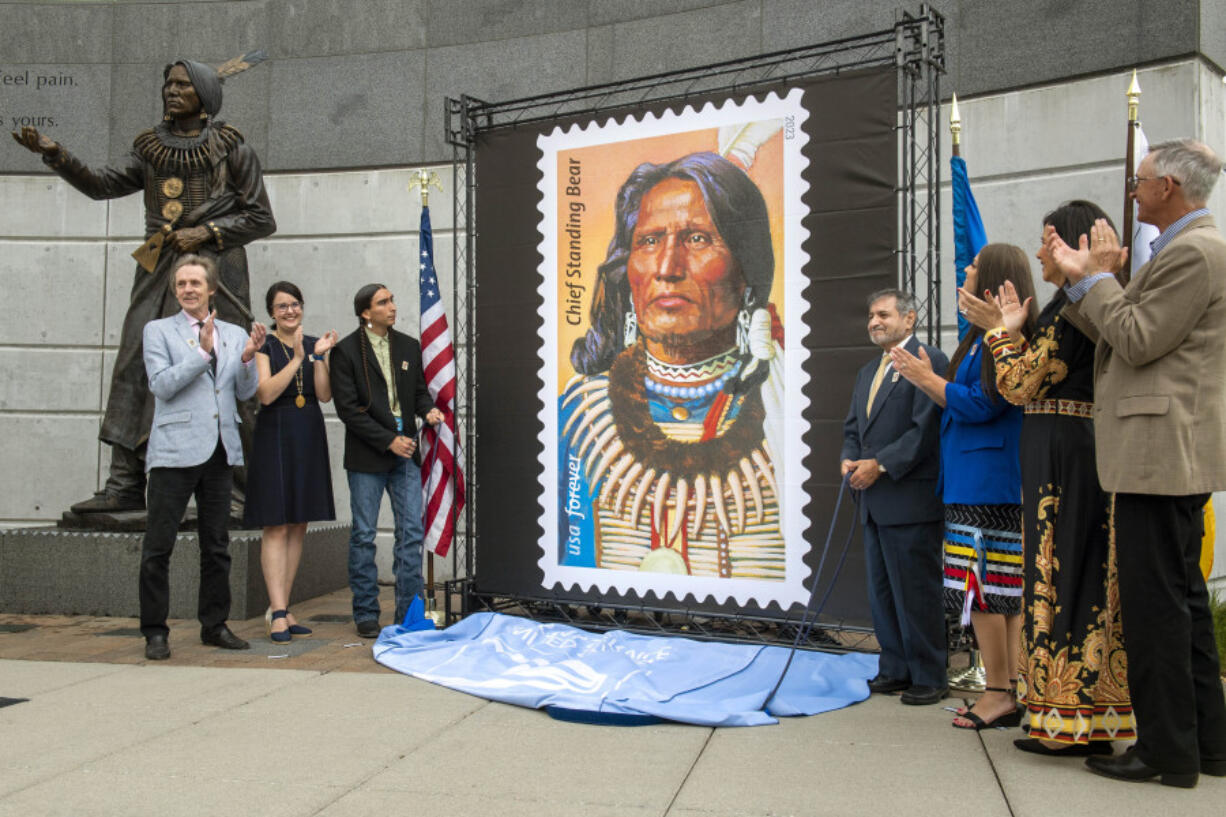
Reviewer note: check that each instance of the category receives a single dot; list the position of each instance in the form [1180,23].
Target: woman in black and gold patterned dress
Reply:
[1074,670]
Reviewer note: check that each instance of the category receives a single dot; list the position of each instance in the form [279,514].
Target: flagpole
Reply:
[955,127]
[1134,103]
[422,180]
[973,677]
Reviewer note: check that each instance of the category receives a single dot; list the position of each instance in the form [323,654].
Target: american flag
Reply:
[442,478]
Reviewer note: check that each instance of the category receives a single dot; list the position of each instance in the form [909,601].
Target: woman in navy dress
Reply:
[289,480]
[981,479]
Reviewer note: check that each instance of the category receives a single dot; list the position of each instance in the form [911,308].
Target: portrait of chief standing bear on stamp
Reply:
[671,353]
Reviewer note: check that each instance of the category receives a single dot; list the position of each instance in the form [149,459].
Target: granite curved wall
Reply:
[352,98]
[361,83]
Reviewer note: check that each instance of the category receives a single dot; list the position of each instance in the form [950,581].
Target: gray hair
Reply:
[1193,163]
[905,301]
[192,260]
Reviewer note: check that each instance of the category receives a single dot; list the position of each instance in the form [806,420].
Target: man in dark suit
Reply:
[378,385]
[1160,425]
[891,454]
[197,366]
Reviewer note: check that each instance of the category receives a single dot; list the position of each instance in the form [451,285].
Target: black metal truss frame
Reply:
[915,46]
[650,620]
[921,62]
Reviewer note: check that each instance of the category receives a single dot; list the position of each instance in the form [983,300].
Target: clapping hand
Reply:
[255,340]
[1013,312]
[299,349]
[326,342]
[1098,252]
[1105,247]
[913,368]
[983,312]
[207,330]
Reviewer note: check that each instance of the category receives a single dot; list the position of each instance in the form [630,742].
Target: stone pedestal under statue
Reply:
[51,571]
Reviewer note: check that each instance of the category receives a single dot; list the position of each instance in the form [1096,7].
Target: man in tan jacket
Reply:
[1160,429]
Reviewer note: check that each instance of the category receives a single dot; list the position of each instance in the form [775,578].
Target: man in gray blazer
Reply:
[1160,427]
[197,367]
[891,453]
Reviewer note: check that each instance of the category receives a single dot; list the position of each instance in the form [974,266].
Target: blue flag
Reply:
[969,235]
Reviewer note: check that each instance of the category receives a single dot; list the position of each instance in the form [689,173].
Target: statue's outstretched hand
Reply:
[32,140]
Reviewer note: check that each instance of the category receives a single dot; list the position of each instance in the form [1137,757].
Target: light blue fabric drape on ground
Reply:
[517,661]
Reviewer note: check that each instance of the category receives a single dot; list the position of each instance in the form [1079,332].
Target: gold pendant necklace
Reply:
[299,401]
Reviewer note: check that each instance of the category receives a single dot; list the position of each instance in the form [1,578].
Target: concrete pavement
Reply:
[328,732]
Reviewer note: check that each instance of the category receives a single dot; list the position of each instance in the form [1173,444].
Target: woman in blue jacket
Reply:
[981,484]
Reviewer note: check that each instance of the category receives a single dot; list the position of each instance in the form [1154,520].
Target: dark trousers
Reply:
[1173,669]
[903,564]
[169,492]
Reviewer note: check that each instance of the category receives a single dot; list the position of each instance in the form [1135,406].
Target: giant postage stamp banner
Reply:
[671,351]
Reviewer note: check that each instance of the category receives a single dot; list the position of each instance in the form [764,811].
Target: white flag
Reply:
[1142,234]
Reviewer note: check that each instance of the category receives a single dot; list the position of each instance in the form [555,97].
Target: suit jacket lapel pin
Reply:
[894,379]
[191,342]
[404,365]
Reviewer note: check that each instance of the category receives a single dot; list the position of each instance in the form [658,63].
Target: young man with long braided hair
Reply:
[379,390]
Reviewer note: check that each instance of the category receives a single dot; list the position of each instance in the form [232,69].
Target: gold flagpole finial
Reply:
[422,179]
[1134,97]
[955,122]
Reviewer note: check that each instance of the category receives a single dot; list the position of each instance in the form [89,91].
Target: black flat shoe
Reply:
[924,696]
[1130,767]
[1037,747]
[880,684]
[298,629]
[280,636]
[156,648]
[222,637]
[368,628]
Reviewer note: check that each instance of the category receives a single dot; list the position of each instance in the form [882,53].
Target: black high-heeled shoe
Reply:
[1013,718]
[284,635]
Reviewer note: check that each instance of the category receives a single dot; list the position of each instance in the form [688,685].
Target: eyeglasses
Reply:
[292,306]
[1134,181]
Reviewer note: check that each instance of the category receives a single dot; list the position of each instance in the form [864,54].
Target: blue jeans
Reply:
[403,486]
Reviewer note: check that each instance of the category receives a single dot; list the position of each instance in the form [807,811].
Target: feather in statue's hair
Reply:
[240,64]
